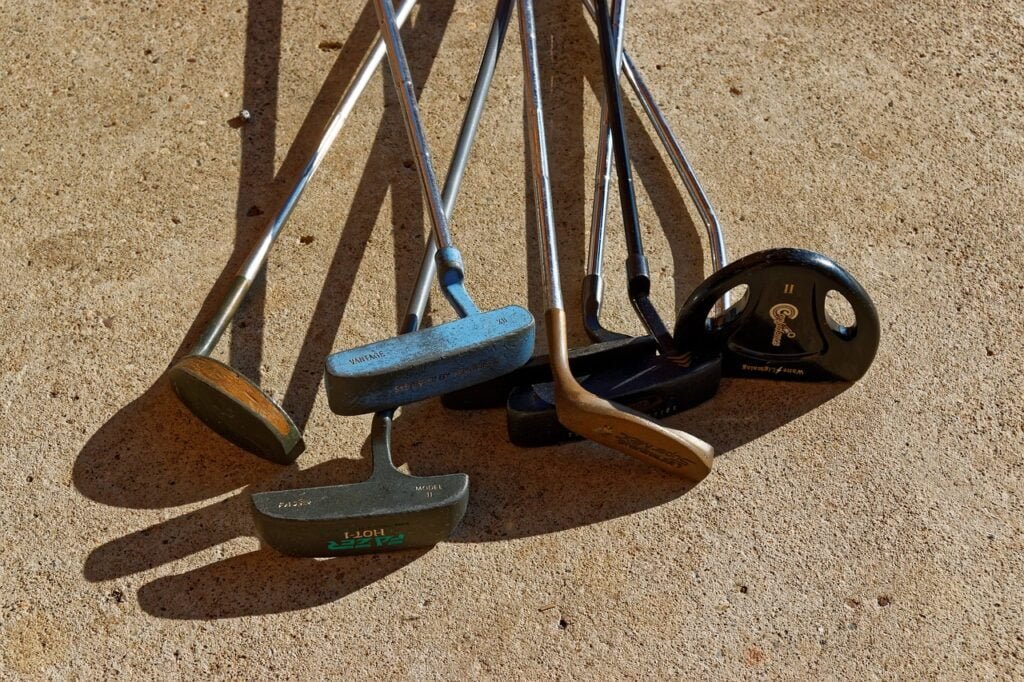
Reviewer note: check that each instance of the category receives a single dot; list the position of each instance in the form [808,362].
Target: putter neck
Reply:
[451,275]
[380,444]
[592,291]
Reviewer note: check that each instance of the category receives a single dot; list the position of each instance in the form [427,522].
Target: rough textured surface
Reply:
[877,532]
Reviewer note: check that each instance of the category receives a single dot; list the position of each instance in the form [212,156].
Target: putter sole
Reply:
[400,512]
[424,364]
[236,408]
[655,387]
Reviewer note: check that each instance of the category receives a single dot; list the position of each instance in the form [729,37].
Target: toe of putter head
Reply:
[383,514]
[582,360]
[655,386]
[429,362]
[780,328]
[236,408]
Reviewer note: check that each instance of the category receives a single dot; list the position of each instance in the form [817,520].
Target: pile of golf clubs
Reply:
[612,391]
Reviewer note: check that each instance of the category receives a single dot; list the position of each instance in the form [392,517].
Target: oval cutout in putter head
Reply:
[429,362]
[391,511]
[579,410]
[222,398]
[780,329]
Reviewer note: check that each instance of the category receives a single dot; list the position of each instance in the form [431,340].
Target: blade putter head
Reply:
[780,329]
[429,362]
[236,408]
[583,360]
[656,386]
[619,427]
[389,513]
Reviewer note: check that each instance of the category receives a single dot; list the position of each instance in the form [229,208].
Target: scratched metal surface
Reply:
[874,532]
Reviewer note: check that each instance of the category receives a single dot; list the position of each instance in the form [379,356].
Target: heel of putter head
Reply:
[655,386]
[780,328]
[389,512]
[236,408]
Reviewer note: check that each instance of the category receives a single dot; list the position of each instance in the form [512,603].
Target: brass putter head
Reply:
[616,426]
[236,408]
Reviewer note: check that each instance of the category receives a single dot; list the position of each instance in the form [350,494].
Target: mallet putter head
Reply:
[619,427]
[236,408]
[656,386]
[426,363]
[780,329]
[582,360]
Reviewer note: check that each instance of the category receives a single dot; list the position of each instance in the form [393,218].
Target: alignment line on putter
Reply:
[580,411]
[447,357]
[391,510]
[224,399]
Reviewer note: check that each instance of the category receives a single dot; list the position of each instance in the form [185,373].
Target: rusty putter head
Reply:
[236,408]
[390,511]
[780,328]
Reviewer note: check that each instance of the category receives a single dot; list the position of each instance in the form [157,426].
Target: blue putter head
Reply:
[429,362]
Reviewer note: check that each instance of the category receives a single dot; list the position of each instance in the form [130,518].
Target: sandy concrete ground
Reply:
[869,533]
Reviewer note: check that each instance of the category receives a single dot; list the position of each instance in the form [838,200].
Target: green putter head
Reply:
[391,511]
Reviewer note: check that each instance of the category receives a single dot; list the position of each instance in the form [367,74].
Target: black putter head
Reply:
[779,328]
[389,512]
[656,386]
[236,408]
[583,360]
[426,363]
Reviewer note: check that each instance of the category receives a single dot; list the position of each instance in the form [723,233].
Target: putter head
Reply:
[429,362]
[619,427]
[380,515]
[236,408]
[584,360]
[389,512]
[655,386]
[779,329]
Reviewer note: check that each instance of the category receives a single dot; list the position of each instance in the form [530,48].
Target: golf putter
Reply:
[580,411]
[220,396]
[780,328]
[621,352]
[652,384]
[450,356]
[391,510]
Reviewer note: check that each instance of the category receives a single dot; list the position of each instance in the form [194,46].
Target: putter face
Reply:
[236,408]
[386,513]
[655,386]
[584,360]
[429,362]
[779,329]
